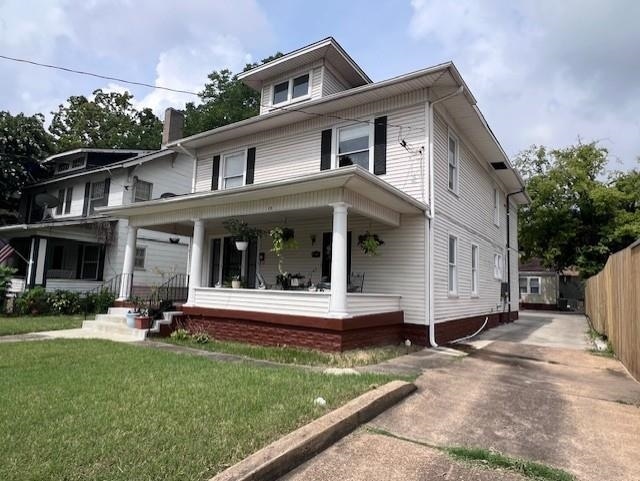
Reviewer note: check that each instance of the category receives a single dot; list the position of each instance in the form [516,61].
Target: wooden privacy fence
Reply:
[612,302]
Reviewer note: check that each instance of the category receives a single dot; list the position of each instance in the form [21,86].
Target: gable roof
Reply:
[327,48]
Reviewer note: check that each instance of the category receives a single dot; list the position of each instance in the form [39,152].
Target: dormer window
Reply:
[295,88]
[77,163]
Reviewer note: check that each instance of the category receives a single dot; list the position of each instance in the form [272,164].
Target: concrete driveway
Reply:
[528,389]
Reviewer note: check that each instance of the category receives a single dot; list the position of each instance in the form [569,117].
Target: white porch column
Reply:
[195,261]
[338,299]
[129,263]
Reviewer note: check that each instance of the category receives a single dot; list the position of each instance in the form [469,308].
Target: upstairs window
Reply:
[300,86]
[64,201]
[233,170]
[280,93]
[292,89]
[142,191]
[453,163]
[97,191]
[354,146]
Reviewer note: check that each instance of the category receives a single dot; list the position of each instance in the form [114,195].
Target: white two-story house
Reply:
[62,242]
[335,159]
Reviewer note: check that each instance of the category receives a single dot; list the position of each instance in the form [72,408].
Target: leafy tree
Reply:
[225,100]
[23,144]
[108,121]
[579,213]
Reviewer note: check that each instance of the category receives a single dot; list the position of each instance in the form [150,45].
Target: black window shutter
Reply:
[380,146]
[251,165]
[61,201]
[87,193]
[107,185]
[216,172]
[325,150]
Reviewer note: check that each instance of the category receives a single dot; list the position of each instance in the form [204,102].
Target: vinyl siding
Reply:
[294,150]
[468,215]
[330,83]
[165,175]
[398,269]
[162,258]
[548,288]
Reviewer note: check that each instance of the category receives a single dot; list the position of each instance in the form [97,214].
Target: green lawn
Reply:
[294,355]
[21,324]
[77,409]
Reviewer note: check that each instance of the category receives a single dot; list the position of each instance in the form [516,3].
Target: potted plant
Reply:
[242,233]
[236,282]
[143,320]
[133,312]
[282,238]
[369,243]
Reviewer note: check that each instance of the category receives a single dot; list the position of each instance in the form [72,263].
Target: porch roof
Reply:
[367,194]
[36,226]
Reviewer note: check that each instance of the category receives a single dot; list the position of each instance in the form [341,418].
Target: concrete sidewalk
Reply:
[538,395]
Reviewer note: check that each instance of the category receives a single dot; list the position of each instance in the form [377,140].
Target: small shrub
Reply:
[64,302]
[103,301]
[200,338]
[33,302]
[180,335]
[88,303]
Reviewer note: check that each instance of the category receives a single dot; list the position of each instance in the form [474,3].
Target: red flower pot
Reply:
[143,322]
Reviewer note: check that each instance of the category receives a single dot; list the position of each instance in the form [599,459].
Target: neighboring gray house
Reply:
[331,156]
[61,242]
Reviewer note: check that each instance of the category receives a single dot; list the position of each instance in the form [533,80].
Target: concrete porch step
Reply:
[113,318]
[116,329]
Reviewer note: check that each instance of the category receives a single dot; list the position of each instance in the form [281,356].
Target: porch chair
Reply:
[356,282]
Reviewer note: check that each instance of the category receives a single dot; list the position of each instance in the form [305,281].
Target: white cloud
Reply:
[545,71]
[156,42]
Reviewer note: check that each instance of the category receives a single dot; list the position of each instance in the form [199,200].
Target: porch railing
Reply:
[174,289]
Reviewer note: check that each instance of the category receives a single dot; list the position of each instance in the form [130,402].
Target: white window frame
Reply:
[135,190]
[529,279]
[454,265]
[65,209]
[335,135]
[498,265]
[223,162]
[290,99]
[137,257]
[496,207]
[456,183]
[475,264]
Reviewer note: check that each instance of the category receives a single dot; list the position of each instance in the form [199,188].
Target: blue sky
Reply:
[543,71]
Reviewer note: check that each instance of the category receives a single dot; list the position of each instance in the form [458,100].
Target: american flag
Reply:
[6,251]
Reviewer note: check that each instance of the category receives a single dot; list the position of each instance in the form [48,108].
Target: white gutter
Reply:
[429,291]
[194,157]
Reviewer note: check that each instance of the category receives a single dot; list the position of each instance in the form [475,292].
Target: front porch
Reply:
[340,298]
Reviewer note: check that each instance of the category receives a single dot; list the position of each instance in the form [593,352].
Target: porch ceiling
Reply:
[367,194]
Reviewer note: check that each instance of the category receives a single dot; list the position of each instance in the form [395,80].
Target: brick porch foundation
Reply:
[325,334]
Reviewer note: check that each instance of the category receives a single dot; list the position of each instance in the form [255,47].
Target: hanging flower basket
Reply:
[242,245]
[242,233]
[369,243]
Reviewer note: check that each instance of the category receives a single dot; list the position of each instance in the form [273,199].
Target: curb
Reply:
[289,452]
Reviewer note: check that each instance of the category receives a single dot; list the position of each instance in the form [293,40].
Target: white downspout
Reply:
[431,214]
